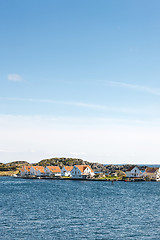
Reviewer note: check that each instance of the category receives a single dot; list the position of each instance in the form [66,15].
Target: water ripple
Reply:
[43,209]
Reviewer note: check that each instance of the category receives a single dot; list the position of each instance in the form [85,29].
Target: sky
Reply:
[80,79]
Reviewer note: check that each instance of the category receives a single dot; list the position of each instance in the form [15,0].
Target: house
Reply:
[114,174]
[66,171]
[134,171]
[37,171]
[53,171]
[152,173]
[82,171]
[25,171]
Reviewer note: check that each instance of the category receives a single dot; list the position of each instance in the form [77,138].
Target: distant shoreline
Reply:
[81,179]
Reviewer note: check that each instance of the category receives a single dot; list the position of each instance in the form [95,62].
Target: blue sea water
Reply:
[55,209]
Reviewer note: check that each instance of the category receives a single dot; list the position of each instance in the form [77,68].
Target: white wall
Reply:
[76,173]
[65,173]
[135,172]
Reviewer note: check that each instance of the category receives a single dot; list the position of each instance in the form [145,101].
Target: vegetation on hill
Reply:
[14,167]
[62,162]
[11,168]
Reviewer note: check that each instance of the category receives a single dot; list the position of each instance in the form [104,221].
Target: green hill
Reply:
[14,167]
[11,168]
[61,162]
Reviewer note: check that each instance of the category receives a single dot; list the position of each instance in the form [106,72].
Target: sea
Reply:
[58,209]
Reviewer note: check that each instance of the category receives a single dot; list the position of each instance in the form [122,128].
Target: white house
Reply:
[82,171]
[66,171]
[152,173]
[37,171]
[25,171]
[53,171]
[134,171]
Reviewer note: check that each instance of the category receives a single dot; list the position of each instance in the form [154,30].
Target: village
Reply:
[85,172]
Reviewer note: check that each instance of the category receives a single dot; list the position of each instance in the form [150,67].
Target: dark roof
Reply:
[130,169]
[151,170]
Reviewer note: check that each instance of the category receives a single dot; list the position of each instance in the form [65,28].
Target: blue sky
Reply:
[80,79]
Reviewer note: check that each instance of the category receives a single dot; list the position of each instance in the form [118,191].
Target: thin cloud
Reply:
[78,104]
[85,122]
[154,91]
[141,88]
[14,77]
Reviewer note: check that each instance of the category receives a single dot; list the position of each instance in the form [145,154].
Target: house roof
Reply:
[54,169]
[90,168]
[151,170]
[130,168]
[28,168]
[68,168]
[22,169]
[83,167]
[39,168]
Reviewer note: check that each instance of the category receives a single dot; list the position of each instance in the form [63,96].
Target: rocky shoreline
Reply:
[79,179]
[12,168]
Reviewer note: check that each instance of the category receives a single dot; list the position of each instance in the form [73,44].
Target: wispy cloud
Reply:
[23,139]
[14,77]
[100,122]
[154,91]
[141,88]
[78,104]
[98,107]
